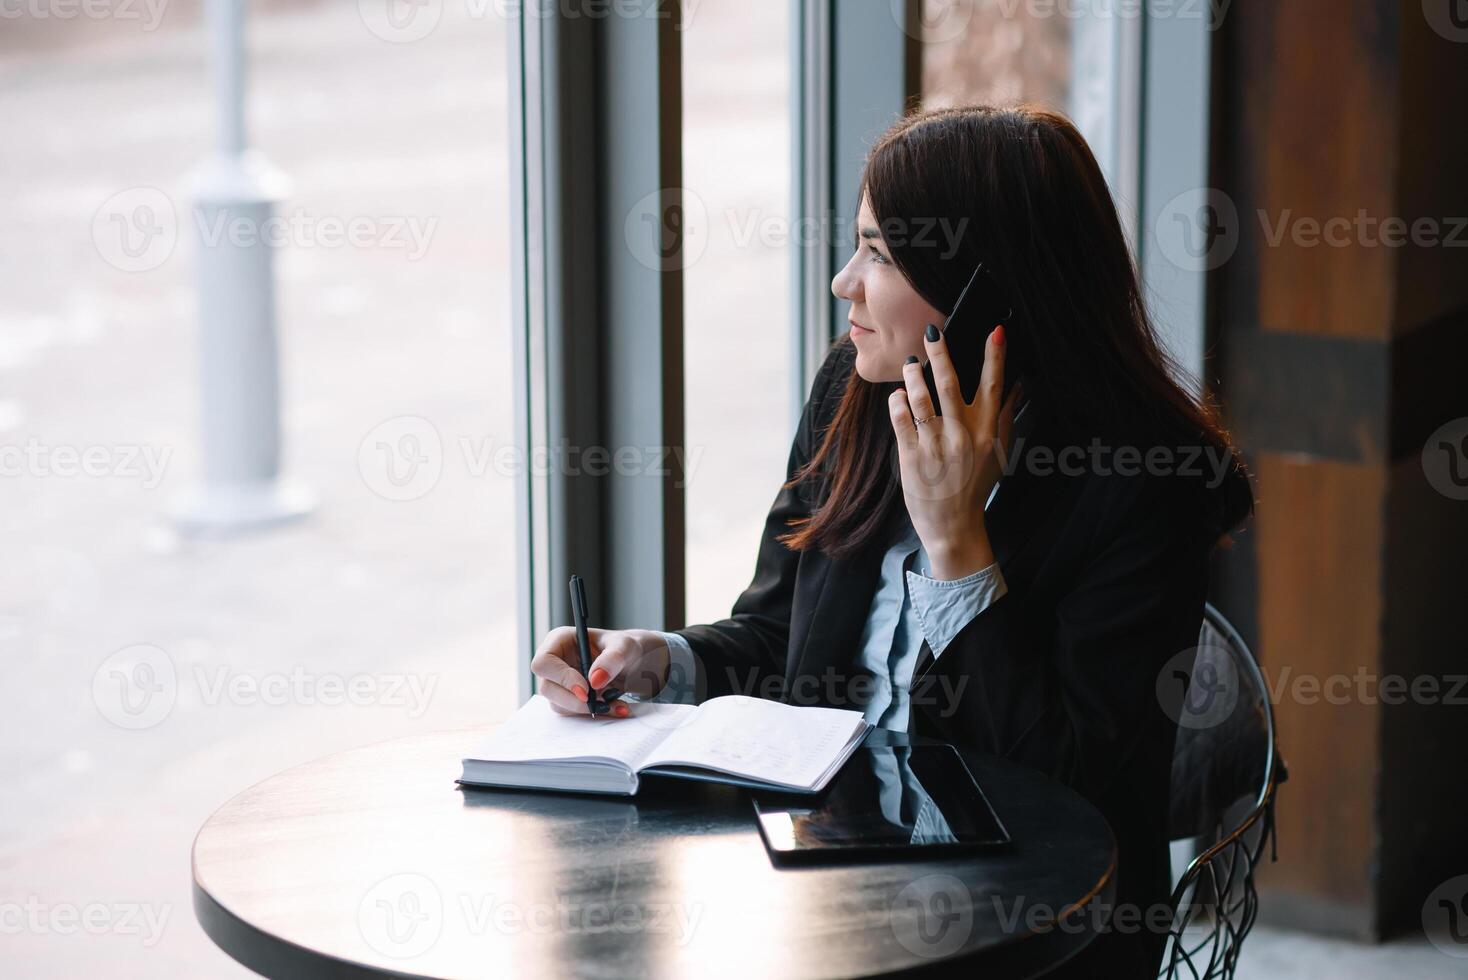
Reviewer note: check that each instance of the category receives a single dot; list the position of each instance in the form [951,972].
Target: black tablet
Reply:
[891,802]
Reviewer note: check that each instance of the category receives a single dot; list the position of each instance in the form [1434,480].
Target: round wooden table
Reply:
[373,863]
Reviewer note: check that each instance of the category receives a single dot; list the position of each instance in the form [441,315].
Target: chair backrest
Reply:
[1225,748]
[1224,774]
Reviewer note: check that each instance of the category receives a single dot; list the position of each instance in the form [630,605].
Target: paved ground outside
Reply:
[255,638]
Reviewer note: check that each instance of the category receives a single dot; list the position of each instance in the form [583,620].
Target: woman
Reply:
[1010,575]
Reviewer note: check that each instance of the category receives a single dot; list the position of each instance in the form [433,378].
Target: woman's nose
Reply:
[846,286]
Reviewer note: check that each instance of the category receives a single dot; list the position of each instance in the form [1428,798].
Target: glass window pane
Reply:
[1083,59]
[736,164]
[994,51]
[149,674]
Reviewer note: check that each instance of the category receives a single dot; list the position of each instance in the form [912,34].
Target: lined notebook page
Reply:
[537,733]
[761,739]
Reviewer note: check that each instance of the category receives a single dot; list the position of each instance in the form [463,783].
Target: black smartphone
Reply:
[979,307]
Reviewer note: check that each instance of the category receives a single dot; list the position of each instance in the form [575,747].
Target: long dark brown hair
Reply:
[1020,189]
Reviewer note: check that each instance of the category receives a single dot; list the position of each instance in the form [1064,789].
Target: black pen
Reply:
[583,644]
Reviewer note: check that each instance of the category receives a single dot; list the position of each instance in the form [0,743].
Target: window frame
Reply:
[595,138]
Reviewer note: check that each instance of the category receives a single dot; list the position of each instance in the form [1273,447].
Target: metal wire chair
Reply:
[1225,774]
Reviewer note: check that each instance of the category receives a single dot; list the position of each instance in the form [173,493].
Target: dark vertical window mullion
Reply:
[598,336]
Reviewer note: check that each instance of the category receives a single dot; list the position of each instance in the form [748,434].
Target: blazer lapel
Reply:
[831,645]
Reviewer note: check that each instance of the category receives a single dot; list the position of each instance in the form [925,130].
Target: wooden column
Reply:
[1338,354]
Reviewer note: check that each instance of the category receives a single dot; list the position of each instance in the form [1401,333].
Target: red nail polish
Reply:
[620,711]
[580,692]
[599,678]
[999,335]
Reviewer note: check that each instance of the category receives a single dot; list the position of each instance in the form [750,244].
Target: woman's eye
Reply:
[876,255]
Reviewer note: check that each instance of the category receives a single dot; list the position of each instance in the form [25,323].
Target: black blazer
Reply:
[1106,578]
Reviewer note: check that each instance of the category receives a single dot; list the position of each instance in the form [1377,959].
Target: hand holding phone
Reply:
[980,307]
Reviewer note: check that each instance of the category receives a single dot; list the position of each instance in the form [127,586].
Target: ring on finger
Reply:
[921,421]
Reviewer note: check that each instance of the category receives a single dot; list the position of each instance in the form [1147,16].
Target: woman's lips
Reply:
[857,329]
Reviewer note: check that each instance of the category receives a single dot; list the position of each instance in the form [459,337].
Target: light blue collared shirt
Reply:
[907,609]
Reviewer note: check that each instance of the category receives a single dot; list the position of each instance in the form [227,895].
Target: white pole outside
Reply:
[235,193]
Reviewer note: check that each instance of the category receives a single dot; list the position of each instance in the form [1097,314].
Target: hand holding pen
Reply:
[614,662]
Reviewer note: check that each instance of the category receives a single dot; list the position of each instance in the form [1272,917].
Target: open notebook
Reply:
[741,740]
